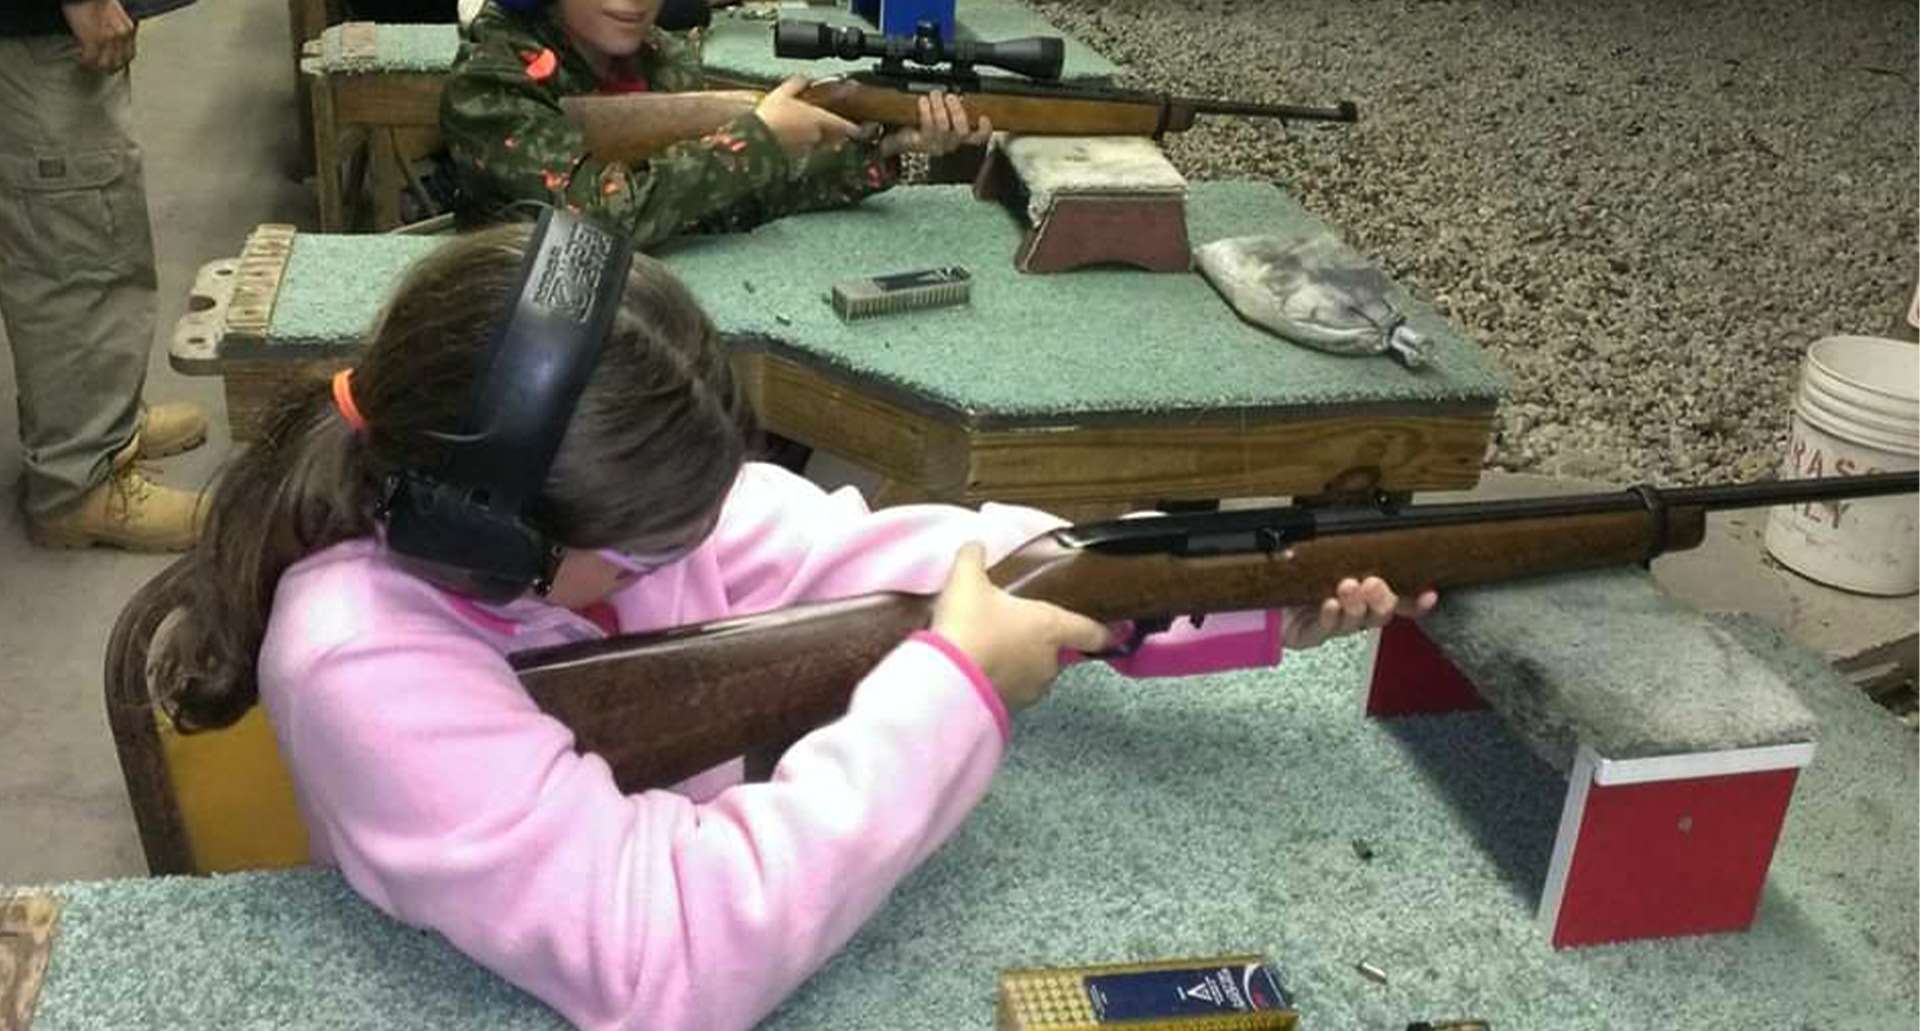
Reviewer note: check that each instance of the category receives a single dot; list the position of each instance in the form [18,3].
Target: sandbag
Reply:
[1312,293]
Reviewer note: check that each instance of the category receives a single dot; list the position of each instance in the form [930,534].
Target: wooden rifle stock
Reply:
[664,706]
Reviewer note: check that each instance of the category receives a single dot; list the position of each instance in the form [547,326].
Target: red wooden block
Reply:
[1661,858]
[1412,676]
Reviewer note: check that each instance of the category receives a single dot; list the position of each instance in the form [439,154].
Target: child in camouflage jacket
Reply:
[510,141]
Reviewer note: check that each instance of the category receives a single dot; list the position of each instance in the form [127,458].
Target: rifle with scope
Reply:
[661,707]
[1032,101]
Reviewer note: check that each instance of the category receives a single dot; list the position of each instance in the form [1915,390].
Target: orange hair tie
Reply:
[343,400]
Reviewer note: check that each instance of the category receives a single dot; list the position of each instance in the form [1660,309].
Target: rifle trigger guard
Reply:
[1142,629]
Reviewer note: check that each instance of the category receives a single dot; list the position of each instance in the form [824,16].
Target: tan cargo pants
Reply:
[76,264]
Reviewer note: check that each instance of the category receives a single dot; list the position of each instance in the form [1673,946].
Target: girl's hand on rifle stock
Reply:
[1356,605]
[1016,642]
[943,128]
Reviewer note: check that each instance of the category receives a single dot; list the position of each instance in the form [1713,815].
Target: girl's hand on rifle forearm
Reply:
[1016,642]
[1356,605]
[798,125]
[944,127]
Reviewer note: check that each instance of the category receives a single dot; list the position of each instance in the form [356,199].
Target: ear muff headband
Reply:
[464,522]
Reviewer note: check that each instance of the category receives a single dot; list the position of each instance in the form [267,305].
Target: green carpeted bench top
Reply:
[736,46]
[396,48]
[1136,820]
[1028,349]
[1611,661]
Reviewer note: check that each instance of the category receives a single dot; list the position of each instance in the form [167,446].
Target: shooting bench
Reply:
[1255,810]
[374,89]
[1088,393]
[1681,748]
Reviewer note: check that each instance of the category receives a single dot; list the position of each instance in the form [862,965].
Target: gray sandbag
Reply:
[1312,293]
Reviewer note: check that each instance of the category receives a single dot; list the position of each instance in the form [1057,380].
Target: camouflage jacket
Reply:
[509,141]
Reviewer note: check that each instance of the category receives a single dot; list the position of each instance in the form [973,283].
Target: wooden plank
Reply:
[387,98]
[1229,458]
[823,412]
[263,261]
[385,178]
[326,144]
[26,940]
[1075,470]
[255,386]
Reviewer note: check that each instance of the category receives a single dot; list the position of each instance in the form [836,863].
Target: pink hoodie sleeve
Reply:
[783,541]
[451,802]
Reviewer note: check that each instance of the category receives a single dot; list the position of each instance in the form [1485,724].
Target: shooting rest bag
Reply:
[1312,292]
[1608,660]
[1051,166]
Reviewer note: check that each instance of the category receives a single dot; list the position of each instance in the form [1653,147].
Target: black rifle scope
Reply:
[1036,57]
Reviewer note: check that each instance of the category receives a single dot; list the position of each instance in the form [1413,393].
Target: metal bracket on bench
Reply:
[195,350]
[231,302]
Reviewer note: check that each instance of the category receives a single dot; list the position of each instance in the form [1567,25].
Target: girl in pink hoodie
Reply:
[448,799]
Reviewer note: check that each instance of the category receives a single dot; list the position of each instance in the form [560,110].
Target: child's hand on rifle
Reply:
[944,127]
[1356,605]
[798,125]
[1016,642]
[801,126]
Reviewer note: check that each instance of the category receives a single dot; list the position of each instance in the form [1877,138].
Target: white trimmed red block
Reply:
[1647,847]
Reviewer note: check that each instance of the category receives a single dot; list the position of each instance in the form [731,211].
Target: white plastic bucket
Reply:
[1857,412]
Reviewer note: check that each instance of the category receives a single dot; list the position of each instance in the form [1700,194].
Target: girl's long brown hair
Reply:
[655,441]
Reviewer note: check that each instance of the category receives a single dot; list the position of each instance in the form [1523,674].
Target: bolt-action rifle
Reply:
[660,707]
[632,127]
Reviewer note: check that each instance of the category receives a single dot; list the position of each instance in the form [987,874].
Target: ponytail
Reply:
[304,486]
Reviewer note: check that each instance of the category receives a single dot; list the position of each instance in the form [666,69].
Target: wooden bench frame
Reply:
[395,115]
[1082,468]
[131,715]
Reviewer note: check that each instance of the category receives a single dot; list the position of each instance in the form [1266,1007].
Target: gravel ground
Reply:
[1647,209]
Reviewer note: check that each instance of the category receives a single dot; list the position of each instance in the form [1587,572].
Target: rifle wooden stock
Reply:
[634,127]
[662,707]
[637,126]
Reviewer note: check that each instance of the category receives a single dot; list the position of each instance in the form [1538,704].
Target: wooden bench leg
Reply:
[1665,846]
[1412,676]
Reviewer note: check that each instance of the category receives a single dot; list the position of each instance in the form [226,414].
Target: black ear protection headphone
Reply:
[462,523]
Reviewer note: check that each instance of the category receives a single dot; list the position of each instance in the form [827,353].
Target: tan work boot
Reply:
[170,429]
[127,511]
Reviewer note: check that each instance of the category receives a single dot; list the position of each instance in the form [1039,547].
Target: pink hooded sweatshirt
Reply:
[447,799]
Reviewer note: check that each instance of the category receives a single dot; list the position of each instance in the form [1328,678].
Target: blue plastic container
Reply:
[899,17]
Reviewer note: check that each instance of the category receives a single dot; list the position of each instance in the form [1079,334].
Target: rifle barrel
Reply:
[1245,529]
[1789,492]
[1345,111]
[1711,498]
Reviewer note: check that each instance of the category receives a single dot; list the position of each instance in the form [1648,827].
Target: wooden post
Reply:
[326,152]
[26,940]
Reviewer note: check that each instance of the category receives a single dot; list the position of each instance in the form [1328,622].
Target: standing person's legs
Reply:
[77,294]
